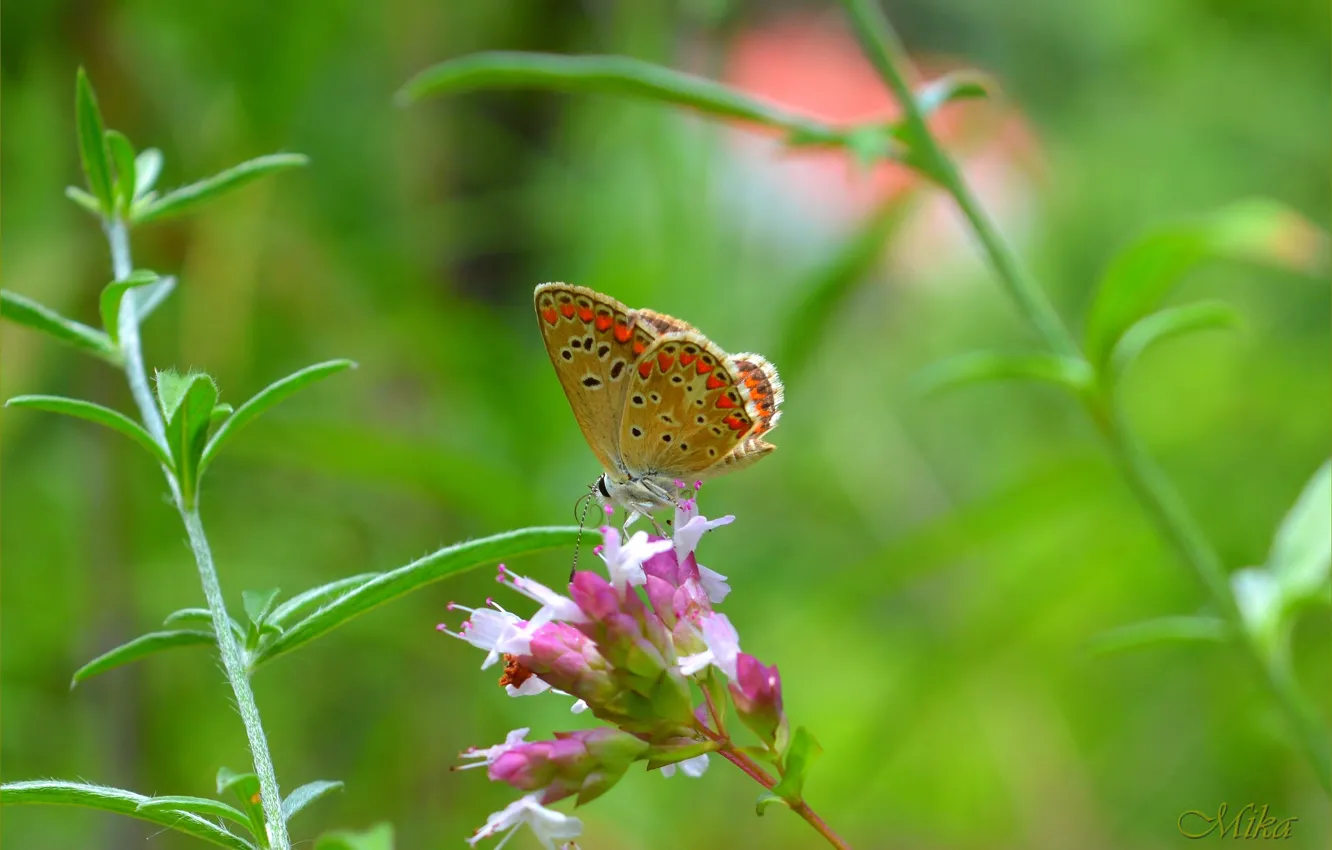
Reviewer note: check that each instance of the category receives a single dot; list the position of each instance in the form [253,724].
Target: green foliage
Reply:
[85,795]
[1161,630]
[1163,324]
[142,646]
[266,398]
[186,403]
[92,144]
[378,837]
[1257,230]
[185,198]
[616,75]
[112,296]
[27,312]
[307,794]
[982,366]
[396,583]
[95,413]
[197,805]
[798,758]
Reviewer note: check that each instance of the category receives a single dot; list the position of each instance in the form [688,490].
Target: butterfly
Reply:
[658,402]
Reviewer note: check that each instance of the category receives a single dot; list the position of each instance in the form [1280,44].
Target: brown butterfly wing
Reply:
[591,339]
[689,408]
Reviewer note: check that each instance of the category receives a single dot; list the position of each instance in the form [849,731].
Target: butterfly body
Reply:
[658,402]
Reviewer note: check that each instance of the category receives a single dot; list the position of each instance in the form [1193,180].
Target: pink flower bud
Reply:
[587,763]
[757,692]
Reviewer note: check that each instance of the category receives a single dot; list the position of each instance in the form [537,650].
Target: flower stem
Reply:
[1159,500]
[233,661]
[800,807]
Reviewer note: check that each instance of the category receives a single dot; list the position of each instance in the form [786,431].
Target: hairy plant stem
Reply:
[233,660]
[1159,500]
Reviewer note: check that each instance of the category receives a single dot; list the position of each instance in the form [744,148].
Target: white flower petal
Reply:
[723,642]
[691,664]
[548,825]
[714,584]
[528,688]
[695,767]
[687,535]
[579,707]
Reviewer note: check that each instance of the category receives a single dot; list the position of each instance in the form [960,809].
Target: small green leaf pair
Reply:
[797,759]
[120,182]
[189,408]
[1124,320]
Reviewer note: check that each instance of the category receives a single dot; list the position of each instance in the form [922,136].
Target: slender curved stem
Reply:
[754,771]
[1159,500]
[233,661]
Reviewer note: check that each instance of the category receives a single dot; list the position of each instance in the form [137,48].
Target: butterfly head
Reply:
[643,494]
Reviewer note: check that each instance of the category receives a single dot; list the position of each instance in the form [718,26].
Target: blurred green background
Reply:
[925,575]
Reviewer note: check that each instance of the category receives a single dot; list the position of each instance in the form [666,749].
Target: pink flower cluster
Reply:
[626,646]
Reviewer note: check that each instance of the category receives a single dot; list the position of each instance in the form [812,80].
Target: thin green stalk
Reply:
[1159,500]
[233,661]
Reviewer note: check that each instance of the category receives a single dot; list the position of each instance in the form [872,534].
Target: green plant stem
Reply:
[233,661]
[1159,500]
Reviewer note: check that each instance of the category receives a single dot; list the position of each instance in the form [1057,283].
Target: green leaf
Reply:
[612,75]
[198,805]
[766,799]
[83,199]
[94,413]
[122,154]
[245,788]
[148,300]
[187,405]
[141,646]
[266,398]
[56,792]
[980,366]
[1160,630]
[377,837]
[114,293]
[147,168]
[25,311]
[316,596]
[200,618]
[1137,279]
[1164,324]
[958,85]
[661,755]
[307,794]
[179,200]
[1258,597]
[825,292]
[92,143]
[259,603]
[1301,555]
[219,415]
[397,583]
[799,757]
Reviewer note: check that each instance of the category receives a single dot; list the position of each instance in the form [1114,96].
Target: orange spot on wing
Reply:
[735,423]
[665,360]
[585,314]
[622,333]
[686,359]
[704,368]
[715,383]
[645,368]
[550,315]
[638,347]
[604,321]
[567,310]
[725,402]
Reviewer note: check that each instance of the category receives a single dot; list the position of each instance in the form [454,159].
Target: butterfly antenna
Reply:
[586,501]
